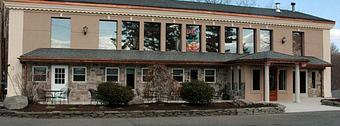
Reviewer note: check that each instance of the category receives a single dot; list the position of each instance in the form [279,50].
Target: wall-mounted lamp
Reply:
[85,30]
[284,40]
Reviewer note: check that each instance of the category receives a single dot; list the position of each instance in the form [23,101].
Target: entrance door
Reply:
[130,78]
[194,75]
[59,77]
[303,82]
[273,84]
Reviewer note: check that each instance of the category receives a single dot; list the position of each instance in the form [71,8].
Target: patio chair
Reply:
[65,93]
[42,96]
[93,94]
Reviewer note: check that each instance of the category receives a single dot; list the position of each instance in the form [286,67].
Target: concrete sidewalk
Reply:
[308,105]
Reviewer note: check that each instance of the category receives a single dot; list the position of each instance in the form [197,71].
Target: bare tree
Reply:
[334,49]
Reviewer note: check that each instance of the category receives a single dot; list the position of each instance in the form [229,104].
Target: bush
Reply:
[197,93]
[114,94]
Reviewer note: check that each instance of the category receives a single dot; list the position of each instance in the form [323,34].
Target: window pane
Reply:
[209,75]
[39,73]
[210,72]
[107,35]
[173,37]
[313,80]
[60,33]
[282,80]
[178,72]
[248,41]
[39,77]
[152,34]
[178,75]
[256,79]
[193,38]
[130,35]
[297,43]
[39,70]
[112,71]
[146,75]
[212,38]
[231,40]
[78,70]
[265,44]
[209,79]
[111,78]
[78,77]
[178,78]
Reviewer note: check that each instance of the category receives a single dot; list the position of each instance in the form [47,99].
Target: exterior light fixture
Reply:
[85,30]
[284,40]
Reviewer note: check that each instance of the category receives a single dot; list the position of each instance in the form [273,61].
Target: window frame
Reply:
[200,37]
[142,76]
[254,38]
[166,36]
[160,36]
[107,20]
[85,74]
[172,74]
[51,28]
[237,39]
[259,79]
[117,74]
[270,39]
[46,72]
[302,42]
[210,75]
[285,81]
[138,42]
[219,38]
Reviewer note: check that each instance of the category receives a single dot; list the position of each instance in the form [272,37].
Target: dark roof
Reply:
[317,61]
[270,55]
[205,6]
[126,55]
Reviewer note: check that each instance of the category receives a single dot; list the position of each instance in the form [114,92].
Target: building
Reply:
[3,47]
[255,53]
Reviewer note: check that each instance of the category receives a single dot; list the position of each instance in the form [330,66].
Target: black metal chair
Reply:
[64,95]
[93,94]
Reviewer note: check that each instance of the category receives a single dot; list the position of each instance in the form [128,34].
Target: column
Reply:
[163,37]
[184,37]
[266,82]
[203,38]
[222,39]
[141,36]
[119,34]
[240,41]
[297,83]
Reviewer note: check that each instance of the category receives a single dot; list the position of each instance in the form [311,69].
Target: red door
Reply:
[273,84]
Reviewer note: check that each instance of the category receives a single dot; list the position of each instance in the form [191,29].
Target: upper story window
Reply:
[130,35]
[61,33]
[107,34]
[193,38]
[152,36]
[266,40]
[39,73]
[248,41]
[212,38]
[231,40]
[173,37]
[298,38]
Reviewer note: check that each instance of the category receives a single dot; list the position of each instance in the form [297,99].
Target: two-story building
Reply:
[256,53]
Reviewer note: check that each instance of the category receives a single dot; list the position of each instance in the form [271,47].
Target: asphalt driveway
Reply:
[329,118]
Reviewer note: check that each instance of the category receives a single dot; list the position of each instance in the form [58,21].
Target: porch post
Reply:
[266,82]
[297,83]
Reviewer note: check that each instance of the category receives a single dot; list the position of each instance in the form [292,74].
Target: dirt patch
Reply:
[141,107]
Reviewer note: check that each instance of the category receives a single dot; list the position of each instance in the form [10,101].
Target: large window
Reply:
[256,79]
[266,40]
[231,40]
[146,74]
[178,74]
[39,73]
[173,37]
[111,74]
[282,80]
[193,38]
[210,75]
[61,33]
[152,36]
[107,34]
[212,38]
[248,41]
[79,74]
[298,38]
[130,35]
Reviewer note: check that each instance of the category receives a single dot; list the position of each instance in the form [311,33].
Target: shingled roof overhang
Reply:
[58,55]
[62,55]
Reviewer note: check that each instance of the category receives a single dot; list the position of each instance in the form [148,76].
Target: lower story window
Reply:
[256,79]
[146,75]
[178,75]
[39,73]
[282,80]
[111,74]
[79,74]
[313,80]
[210,75]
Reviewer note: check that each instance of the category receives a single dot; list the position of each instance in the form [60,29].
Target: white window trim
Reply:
[33,73]
[79,74]
[172,74]
[286,84]
[143,74]
[214,75]
[112,68]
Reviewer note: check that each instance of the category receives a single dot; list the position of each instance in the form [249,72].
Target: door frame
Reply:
[135,76]
[306,84]
[53,74]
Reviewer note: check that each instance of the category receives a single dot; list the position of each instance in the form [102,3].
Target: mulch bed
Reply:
[338,100]
[141,107]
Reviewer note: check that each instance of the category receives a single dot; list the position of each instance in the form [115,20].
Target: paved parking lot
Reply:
[308,105]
